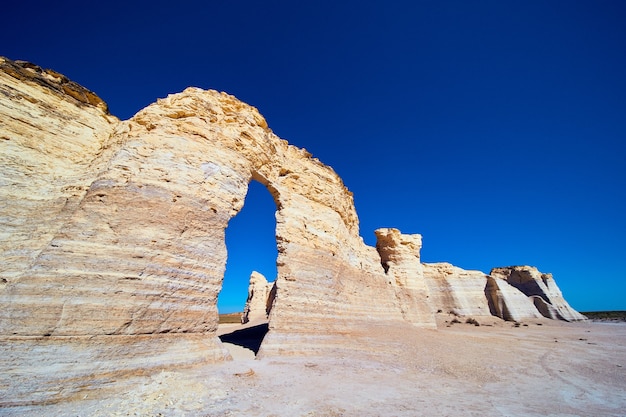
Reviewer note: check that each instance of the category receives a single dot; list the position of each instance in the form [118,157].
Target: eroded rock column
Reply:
[400,258]
[260,300]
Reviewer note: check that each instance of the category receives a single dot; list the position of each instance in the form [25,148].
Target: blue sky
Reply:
[496,129]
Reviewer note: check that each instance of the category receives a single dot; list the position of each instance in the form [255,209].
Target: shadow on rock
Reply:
[249,338]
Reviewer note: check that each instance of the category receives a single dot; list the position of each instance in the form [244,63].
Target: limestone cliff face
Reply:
[511,293]
[541,288]
[54,137]
[457,291]
[113,247]
[507,302]
[260,300]
[400,258]
[117,228]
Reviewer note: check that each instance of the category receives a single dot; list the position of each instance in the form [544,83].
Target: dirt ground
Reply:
[541,368]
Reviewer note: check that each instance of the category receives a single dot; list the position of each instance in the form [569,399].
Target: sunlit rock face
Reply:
[260,300]
[113,253]
[116,229]
[53,141]
[400,258]
[510,293]
[455,290]
[541,288]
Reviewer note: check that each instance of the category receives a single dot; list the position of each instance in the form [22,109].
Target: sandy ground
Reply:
[541,368]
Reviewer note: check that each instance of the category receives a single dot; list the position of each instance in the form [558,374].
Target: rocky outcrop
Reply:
[73,283]
[260,300]
[545,294]
[400,258]
[115,230]
[113,239]
[472,293]
[52,82]
[455,290]
[52,144]
[507,302]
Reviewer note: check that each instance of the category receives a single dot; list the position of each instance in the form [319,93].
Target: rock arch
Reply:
[114,247]
[143,250]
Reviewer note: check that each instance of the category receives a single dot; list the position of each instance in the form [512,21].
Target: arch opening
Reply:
[252,250]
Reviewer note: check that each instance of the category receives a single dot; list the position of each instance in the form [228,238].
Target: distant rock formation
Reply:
[513,293]
[541,288]
[113,247]
[507,302]
[260,300]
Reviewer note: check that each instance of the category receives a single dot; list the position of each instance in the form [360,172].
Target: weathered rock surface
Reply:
[115,231]
[142,251]
[507,302]
[542,289]
[400,258]
[260,300]
[455,290]
[52,146]
[113,239]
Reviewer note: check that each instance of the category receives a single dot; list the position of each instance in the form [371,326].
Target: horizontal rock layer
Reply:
[52,146]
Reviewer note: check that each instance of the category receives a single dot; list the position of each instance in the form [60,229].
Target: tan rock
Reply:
[507,302]
[260,300]
[51,147]
[113,239]
[545,294]
[473,293]
[457,291]
[117,228]
[400,258]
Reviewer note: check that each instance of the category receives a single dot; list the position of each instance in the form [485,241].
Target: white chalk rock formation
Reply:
[507,302]
[473,293]
[400,258]
[112,245]
[54,137]
[541,288]
[114,236]
[455,290]
[260,300]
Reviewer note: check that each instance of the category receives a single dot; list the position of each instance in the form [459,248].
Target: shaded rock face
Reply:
[261,295]
[113,246]
[507,302]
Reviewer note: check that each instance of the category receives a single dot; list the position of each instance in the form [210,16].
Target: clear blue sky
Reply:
[496,129]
